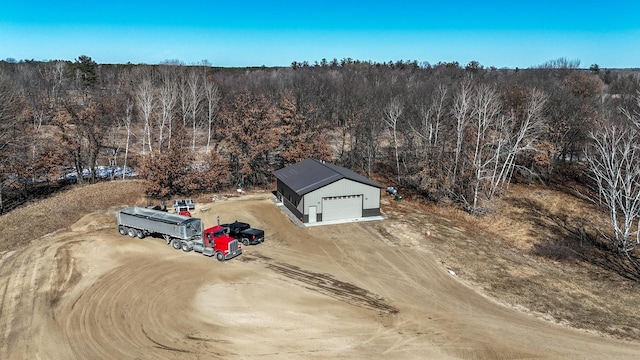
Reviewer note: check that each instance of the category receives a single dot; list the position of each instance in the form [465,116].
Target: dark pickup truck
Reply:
[245,233]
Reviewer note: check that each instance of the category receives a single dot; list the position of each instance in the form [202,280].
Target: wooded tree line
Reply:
[442,131]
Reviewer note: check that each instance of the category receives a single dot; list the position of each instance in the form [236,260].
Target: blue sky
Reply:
[276,33]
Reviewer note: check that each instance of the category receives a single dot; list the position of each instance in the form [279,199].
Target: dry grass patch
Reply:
[34,220]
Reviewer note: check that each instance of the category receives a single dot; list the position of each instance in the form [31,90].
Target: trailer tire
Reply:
[245,241]
[131,232]
[140,234]
[176,244]
[122,230]
[185,247]
[220,256]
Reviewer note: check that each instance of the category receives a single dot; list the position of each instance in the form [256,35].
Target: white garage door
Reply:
[341,207]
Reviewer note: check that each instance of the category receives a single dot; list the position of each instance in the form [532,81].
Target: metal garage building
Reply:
[315,191]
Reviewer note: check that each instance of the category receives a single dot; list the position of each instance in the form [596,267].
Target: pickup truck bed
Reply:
[245,233]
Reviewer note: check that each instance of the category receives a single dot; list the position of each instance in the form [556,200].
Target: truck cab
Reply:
[213,242]
[217,242]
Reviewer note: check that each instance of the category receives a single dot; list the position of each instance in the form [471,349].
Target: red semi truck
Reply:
[215,241]
[181,232]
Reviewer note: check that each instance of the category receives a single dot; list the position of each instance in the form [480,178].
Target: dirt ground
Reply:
[365,290]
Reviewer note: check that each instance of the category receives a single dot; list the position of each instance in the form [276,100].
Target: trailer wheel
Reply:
[220,256]
[140,234]
[185,247]
[245,241]
[176,244]
[122,230]
[131,232]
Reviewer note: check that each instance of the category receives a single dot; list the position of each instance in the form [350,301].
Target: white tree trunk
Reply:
[168,99]
[614,161]
[212,94]
[146,105]
[194,101]
[461,108]
[486,108]
[393,111]
[127,124]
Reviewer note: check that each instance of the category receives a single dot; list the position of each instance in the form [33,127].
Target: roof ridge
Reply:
[310,174]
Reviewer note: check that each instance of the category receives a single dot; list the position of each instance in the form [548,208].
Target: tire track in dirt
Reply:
[141,308]
[113,314]
[392,330]
[18,302]
[29,297]
[347,258]
[377,269]
[370,265]
[8,306]
[352,263]
[328,285]
[64,274]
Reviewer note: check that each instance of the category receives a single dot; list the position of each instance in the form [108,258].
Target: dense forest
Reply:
[443,132]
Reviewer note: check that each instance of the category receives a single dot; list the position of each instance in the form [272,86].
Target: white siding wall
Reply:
[343,187]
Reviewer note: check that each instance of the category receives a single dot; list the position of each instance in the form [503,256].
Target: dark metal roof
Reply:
[311,174]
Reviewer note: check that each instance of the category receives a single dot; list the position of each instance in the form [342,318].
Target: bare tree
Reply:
[486,109]
[524,134]
[392,114]
[194,101]
[183,95]
[614,164]
[10,107]
[58,78]
[84,126]
[212,95]
[490,141]
[37,118]
[433,163]
[368,136]
[126,120]
[52,77]
[431,118]
[167,98]
[461,109]
[146,103]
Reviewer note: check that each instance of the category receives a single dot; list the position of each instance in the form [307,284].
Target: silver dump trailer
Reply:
[140,222]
